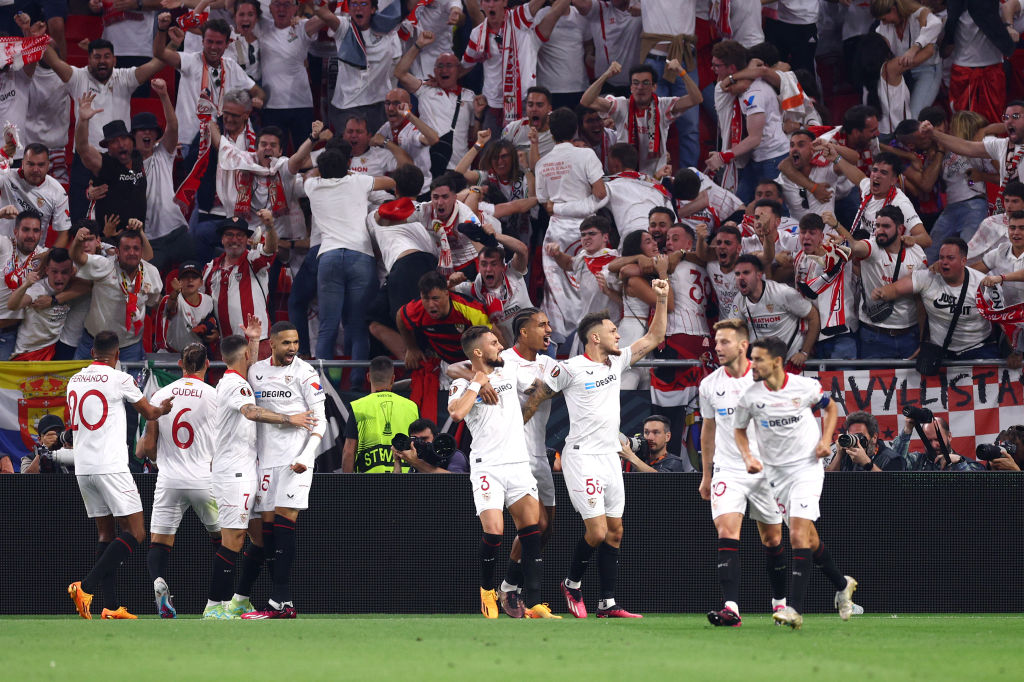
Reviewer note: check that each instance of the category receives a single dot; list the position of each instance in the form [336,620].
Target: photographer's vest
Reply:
[379,416]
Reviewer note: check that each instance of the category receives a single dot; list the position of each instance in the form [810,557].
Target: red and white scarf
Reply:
[833,280]
[718,15]
[867,200]
[131,289]
[652,119]
[1013,157]
[15,277]
[206,109]
[1010,318]
[19,52]
[112,16]
[248,174]
[411,21]
[645,180]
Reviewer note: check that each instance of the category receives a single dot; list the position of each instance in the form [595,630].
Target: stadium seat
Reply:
[78,28]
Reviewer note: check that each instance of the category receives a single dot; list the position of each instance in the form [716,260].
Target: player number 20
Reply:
[593,486]
[76,410]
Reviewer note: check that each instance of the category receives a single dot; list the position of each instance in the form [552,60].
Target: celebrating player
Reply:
[182,442]
[234,473]
[792,444]
[97,417]
[590,459]
[731,487]
[499,468]
[284,383]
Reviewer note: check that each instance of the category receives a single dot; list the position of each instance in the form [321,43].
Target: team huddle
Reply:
[241,456]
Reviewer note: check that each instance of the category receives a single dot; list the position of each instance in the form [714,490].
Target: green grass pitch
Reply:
[659,647]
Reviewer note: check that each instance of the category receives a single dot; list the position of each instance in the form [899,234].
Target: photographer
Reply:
[1002,455]
[424,432]
[651,455]
[937,441]
[52,454]
[860,450]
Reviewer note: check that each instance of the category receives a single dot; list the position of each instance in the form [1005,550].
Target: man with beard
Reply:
[774,309]
[538,108]
[285,384]
[238,278]
[445,106]
[800,200]
[591,132]
[19,255]
[112,90]
[1007,151]
[408,131]
[119,168]
[30,187]
[499,285]
[659,219]
[44,311]
[593,473]
[643,119]
[443,215]
[725,481]
[375,155]
[791,446]
[885,331]
[500,469]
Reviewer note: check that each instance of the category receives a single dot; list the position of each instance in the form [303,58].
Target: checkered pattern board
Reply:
[978,402]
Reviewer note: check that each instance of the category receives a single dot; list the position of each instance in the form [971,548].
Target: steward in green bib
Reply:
[374,422]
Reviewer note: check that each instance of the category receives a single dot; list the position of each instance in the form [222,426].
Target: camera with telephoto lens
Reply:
[438,454]
[921,415]
[638,444]
[66,439]
[849,440]
[990,451]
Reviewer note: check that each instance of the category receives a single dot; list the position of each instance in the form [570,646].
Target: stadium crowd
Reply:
[843,175]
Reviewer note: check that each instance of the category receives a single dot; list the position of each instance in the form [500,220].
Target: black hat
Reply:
[191,265]
[113,130]
[234,223]
[146,121]
[49,422]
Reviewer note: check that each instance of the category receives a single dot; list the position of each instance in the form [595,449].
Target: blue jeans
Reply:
[960,219]
[983,352]
[924,85]
[8,338]
[346,285]
[688,124]
[302,294]
[875,346]
[754,172]
[839,347]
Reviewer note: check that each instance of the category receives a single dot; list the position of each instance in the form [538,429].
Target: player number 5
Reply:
[265,483]
[593,486]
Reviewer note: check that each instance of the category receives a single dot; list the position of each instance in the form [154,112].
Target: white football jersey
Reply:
[787,431]
[777,313]
[691,289]
[185,439]
[499,436]
[528,372]
[720,392]
[97,417]
[726,290]
[235,436]
[591,391]
[285,389]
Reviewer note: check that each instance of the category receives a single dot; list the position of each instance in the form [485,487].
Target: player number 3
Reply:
[484,483]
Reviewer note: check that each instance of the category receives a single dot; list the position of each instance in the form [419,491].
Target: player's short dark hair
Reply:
[660,418]
[492,252]
[1014,188]
[643,68]
[893,213]
[773,345]
[273,131]
[59,255]
[1015,103]
[520,320]
[597,221]
[685,228]
[128,234]
[805,132]
[408,181]
[100,44]
[282,326]
[471,337]
[217,25]
[752,260]
[731,230]
[382,369]
[685,185]
[856,118]
[812,221]
[770,181]
[906,127]
[765,51]
[540,90]
[958,243]
[351,119]
[37,148]
[663,209]
[587,324]
[625,154]
[1012,215]
[25,215]
[889,159]
[105,343]
[775,206]
[731,53]
[333,163]
[933,114]
[432,280]
[450,179]
[421,424]
[562,124]
[736,324]
[231,346]
[861,417]
[194,357]
[87,223]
